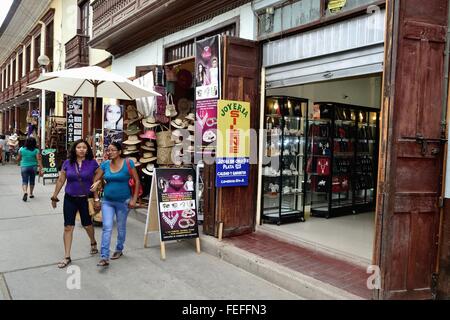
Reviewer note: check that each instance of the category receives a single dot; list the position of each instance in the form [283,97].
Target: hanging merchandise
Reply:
[171,110]
[323,166]
[161,102]
[146,106]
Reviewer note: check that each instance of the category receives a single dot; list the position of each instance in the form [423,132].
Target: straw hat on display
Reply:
[191,138]
[13,140]
[130,149]
[133,139]
[148,170]
[184,106]
[149,134]
[132,130]
[132,113]
[147,157]
[190,117]
[131,121]
[191,128]
[135,161]
[178,123]
[149,122]
[149,146]
[190,149]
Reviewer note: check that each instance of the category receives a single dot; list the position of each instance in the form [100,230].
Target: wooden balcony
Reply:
[16,86]
[121,26]
[77,52]
[23,83]
[33,75]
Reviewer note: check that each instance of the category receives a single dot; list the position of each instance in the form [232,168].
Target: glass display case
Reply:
[341,161]
[284,149]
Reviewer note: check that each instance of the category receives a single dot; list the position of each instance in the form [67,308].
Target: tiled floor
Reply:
[341,274]
[352,234]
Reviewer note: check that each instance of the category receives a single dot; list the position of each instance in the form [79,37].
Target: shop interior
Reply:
[319,186]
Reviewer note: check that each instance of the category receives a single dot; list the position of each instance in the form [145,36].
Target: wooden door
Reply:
[235,207]
[411,155]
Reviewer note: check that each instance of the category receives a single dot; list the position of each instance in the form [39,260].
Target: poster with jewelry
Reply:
[206,127]
[176,202]
[74,120]
[207,61]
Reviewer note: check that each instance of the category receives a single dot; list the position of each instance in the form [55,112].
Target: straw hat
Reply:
[191,138]
[190,116]
[148,170]
[149,134]
[147,157]
[184,106]
[190,149]
[132,129]
[191,128]
[132,140]
[132,113]
[178,123]
[131,121]
[149,122]
[150,146]
[130,149]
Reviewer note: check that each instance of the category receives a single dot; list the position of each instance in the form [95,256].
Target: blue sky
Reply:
[4,9]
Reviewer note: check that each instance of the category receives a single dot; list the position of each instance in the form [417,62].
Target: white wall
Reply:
[364,91]
[153,53]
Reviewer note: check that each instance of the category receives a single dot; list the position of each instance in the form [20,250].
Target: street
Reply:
[31,246]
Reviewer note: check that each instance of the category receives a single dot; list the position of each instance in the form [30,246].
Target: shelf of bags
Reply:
[367,125]
[344,154]
[320,120]
[345,121]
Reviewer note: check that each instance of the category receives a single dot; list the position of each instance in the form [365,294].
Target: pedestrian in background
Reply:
[29,159]
[117,199]
[79,171]
[2,149]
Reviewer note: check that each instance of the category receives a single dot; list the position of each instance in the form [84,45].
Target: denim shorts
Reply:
[28,175]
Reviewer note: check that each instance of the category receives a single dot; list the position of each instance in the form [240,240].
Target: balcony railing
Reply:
[17,88]
[77,52]
[120,26]
[24,82]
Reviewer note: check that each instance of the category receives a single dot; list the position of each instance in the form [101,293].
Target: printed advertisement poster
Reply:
[207,61]
[49,165]
[74,120]
[206,127]
[112,124]
[177,204]
[233,149]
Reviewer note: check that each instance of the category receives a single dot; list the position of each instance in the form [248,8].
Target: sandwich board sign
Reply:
[172,208]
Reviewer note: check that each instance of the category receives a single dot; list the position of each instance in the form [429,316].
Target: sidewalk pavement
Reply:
[31,245]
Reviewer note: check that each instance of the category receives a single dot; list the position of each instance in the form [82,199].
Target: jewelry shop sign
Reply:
[233,146]
[49,163]
[74,120]
[176,204]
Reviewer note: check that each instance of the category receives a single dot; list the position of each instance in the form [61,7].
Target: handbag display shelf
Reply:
[342,152]
[283,196]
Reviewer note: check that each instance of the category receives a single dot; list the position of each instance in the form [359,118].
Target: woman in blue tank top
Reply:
[117,199]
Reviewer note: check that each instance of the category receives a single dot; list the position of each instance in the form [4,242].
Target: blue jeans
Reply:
[28,175]
[120,210]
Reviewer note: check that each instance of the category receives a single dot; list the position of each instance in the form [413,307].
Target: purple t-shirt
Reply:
[87,171]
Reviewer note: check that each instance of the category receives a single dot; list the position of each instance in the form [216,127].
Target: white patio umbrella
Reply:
[93,82]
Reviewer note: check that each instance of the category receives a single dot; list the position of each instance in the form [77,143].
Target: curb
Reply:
[288,279]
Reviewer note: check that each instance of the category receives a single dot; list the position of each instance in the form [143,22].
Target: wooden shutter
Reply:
[411,156]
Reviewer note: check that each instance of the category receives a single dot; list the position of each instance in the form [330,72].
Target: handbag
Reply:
[323,166]
[164,139]
[171,110]
[131,181]
[164,156]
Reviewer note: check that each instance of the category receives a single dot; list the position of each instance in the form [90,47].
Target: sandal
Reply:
[103,263]
[116,255]
[94,249]
[64,263]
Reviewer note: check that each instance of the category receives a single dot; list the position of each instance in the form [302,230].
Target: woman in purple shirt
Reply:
[79,171]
